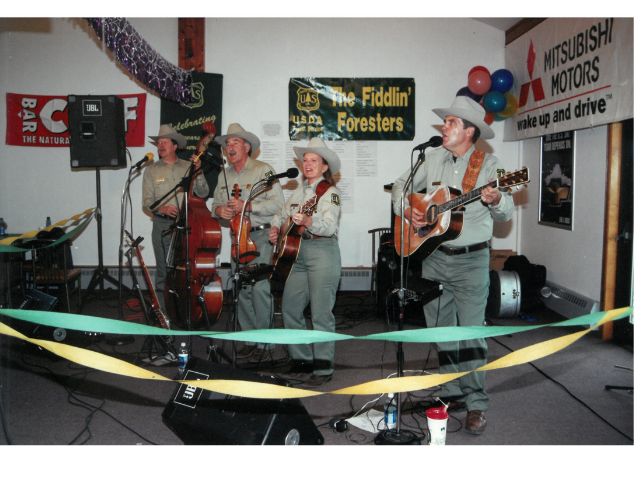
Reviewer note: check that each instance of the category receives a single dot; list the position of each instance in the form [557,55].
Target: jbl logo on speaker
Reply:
[92,108]
[188,395]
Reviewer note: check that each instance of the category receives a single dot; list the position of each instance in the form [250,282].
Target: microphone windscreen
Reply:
[292,173]
[149,156]
[436,141]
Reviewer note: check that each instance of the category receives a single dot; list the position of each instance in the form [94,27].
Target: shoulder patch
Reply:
[335,199]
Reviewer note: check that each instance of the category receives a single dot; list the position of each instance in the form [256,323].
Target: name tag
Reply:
[435,184]
[161,180]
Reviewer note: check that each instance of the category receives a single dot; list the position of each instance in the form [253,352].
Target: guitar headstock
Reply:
[514,179]
[310,207]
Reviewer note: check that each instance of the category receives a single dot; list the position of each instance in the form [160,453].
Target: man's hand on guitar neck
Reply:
[415,216]
[490,196]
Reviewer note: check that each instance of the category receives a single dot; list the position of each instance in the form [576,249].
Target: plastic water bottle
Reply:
[183,358]
[2,227]
[391,412]
[48,222]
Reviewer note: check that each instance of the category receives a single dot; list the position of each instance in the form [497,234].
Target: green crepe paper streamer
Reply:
[280,336]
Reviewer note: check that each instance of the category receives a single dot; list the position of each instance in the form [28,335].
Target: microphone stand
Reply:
[237,277]
[399,436]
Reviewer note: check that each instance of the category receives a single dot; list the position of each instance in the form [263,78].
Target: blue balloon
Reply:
[465,92]
[494,102]
[501,80]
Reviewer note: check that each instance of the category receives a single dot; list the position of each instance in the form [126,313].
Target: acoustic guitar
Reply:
[442,212]
[155,304]
[288,246]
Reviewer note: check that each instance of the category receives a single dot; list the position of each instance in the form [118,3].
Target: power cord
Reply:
[72,394]
[570,394]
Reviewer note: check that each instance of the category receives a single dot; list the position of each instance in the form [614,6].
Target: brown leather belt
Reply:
[461,250]
[309,236]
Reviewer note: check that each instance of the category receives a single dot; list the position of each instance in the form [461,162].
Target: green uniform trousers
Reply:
[161,241]
[314,278]
[465,281]
[255,302]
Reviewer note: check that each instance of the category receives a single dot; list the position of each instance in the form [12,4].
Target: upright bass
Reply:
[192,283]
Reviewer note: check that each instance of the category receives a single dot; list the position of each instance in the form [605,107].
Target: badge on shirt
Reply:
[335,199]
[160,180]
[435,184]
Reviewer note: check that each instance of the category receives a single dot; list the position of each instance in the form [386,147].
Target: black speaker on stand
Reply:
[203,417]
[97,139]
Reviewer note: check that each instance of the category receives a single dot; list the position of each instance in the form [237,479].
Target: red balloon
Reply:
[488,118]
[479,82]
[479,68]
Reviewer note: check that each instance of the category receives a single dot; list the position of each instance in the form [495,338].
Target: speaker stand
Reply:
[100,274]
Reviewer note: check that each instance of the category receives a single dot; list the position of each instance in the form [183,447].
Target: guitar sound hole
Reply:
[432,214]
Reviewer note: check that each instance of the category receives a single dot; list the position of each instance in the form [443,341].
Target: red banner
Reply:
[43,121]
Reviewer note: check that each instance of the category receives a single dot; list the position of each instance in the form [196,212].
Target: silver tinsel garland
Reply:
[130,49]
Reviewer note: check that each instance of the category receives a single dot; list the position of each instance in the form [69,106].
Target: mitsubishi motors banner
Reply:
[352,108]
[43,121]
[569,74]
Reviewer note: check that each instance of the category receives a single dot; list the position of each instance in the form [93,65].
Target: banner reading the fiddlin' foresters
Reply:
[352,108]
[569,74]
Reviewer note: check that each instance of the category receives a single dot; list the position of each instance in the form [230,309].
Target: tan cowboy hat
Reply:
[469,110]
[166,131]
[235,130]
[317,146]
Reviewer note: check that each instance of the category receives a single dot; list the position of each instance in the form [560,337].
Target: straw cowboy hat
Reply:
[317,146]
[166,131]
[235,130]
[469,110]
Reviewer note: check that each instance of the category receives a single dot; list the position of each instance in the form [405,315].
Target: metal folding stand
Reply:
[399,436]
[101,273]
[163,345]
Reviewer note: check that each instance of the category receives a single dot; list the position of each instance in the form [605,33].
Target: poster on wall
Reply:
[569,74]
[557,164]
[352,108]
[205,106]
[43,120]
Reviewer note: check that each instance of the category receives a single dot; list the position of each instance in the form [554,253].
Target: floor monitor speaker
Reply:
[203,417]
[96,131]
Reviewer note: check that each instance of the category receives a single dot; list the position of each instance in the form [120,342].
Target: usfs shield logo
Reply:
[308,99]
[197,96]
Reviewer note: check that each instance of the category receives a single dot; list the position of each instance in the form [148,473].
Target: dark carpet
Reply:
[559,400]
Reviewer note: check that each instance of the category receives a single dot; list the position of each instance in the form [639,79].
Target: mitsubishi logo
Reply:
[536,85]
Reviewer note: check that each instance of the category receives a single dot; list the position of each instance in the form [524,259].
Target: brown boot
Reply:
[476,422]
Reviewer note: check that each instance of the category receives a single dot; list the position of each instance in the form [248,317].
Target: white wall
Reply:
[257,57]
[573,258]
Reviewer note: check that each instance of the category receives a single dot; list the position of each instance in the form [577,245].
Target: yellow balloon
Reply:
[512,106]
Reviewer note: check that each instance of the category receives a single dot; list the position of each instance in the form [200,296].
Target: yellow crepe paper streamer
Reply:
[261,390]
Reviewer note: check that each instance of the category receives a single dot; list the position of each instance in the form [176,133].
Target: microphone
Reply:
[147,157]
[291,173]
[433,142]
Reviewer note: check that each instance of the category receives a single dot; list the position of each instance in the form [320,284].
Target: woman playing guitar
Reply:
[315,272]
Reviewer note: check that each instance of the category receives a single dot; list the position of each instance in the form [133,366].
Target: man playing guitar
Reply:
[461,264]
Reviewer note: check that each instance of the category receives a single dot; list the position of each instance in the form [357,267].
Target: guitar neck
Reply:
[464,198]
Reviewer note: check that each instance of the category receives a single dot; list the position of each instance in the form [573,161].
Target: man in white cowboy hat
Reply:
[159,179]
[255,303]
[461,264]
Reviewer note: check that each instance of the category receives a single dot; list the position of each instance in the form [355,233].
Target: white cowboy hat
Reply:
[469,110]
[166,131]
[236,131]
[317,146]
